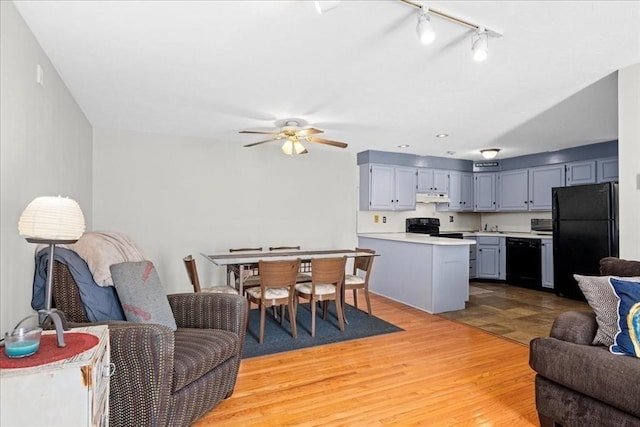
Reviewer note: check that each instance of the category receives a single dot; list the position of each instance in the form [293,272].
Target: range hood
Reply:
[431,198]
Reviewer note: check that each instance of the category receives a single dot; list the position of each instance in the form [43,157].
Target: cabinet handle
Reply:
[530,201]
[526,202]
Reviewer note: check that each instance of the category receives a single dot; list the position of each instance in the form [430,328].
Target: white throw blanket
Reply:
[101,249]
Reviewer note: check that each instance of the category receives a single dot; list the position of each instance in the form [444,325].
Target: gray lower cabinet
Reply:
[473,251]
[547,262]
[491,258]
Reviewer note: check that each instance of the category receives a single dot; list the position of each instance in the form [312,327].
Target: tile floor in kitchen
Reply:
[512,312]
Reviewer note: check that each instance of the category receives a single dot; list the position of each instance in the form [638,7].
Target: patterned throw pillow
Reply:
[627,339]
[141,295]
[604,304]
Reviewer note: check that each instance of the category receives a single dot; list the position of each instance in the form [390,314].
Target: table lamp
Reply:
[51,221]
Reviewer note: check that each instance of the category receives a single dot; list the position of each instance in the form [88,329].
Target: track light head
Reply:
[480,45]
[425,30]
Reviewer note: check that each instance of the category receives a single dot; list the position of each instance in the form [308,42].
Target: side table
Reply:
[69,392]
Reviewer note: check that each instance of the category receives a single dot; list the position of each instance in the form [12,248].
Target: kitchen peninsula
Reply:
[428,273]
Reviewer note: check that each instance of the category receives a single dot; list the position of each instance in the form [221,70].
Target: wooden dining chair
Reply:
[277,288]
[327,279]
[305,269]
[251,277]
[362,266]
[192,271]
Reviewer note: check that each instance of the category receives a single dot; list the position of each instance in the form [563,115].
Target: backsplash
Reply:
[462,221]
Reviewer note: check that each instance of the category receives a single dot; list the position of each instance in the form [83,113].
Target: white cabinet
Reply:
[607,169]
[541,181]
[460,192]
[546,253]
[434,181]
[69,392]
[513,190]
[467,191]
[384,187]
[491,258]
[484,192]
[578,173]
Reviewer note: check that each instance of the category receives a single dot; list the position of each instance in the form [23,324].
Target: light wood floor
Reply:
[437,372]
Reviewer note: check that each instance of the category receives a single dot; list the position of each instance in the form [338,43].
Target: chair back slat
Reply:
[363,263]
[328,270]
[284,248]
[278,274]
[245,250]
[192,271]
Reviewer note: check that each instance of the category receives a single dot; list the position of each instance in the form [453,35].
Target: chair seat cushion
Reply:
[198,351]
[353,279]
[303,277]
[220,290]
[271,293]
[321,288]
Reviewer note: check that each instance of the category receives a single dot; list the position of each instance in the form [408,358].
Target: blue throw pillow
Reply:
[627,340]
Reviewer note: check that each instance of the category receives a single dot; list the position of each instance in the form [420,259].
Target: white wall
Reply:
[629,160]
[45,150]
[178,195]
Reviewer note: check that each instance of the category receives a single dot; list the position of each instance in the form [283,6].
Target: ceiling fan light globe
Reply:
[287,148]
[298,147]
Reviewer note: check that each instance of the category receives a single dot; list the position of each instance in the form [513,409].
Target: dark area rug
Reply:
[277,338]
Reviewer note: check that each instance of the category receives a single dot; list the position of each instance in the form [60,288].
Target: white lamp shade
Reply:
[480,47]
[52,218]
[425,30]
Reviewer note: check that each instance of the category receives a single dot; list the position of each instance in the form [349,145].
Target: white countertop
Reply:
[418,238]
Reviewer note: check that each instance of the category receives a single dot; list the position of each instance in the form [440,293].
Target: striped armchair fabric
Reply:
[161,377]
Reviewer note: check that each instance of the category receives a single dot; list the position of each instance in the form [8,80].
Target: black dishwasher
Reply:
[524,261]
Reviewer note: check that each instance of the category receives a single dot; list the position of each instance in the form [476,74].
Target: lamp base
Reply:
[59,320]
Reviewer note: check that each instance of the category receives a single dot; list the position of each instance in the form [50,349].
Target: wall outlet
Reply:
[384,219]
[450,218]
[376,219]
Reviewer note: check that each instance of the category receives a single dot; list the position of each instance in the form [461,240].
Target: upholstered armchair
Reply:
[162,377]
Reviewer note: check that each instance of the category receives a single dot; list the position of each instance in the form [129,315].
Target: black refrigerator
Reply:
[585,229]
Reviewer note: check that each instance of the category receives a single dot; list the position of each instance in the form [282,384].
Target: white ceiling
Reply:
[212,68]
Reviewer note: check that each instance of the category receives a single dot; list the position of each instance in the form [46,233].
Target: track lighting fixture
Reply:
[489,153]
[480,45]
[425,30]
[325,6]
[479,41]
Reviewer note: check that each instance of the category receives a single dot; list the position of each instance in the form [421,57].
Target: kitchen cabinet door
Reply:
[441,181]
[513,190]
[387,188]
[485,192]
[405,189]
[455,191]
[541,180]
[547,262]
[607,170]
[467,191]
[488,262]
[578,173]
[425,181]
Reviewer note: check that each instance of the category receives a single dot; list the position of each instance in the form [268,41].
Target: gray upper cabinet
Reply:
[578,173]
[607,169]
[455,191]
[484,192]
[433,181]
[386,188]
[513,190]
[541,181]
[467,191]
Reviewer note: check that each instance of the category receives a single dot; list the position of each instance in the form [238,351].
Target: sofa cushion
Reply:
[590,370]
[611,266]
[141,295]
[198,351]
[627,339]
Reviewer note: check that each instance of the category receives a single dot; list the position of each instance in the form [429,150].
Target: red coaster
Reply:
[49,352]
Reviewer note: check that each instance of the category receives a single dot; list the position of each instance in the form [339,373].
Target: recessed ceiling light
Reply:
[403,146]
[442,135]
[451,153]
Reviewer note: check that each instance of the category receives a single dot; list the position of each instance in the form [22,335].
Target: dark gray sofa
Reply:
[580,384]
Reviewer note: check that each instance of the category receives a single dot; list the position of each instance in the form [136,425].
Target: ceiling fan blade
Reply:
[309,131]
[260,142]
[275,132]
[328,142]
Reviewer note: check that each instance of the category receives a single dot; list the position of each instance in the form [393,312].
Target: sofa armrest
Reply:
[575,327]
[208,310]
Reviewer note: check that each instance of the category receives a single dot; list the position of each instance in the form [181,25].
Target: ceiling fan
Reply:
[293,135]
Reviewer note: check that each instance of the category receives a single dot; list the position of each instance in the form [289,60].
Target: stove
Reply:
[430,226]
